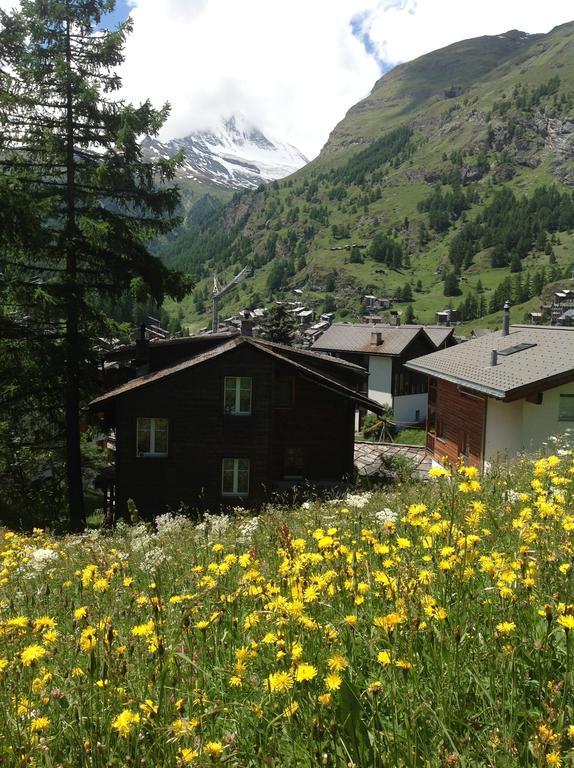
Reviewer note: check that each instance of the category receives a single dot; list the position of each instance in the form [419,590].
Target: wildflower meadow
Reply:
[427,625]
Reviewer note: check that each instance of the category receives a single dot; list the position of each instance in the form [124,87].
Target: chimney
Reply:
[494,357]
[376,338]
[246,324]
[506,319]
[142,348]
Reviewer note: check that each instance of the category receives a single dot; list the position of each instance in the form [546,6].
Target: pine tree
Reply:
[72,148]
[278,325]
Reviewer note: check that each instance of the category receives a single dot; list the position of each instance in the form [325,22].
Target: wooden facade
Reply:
[299,429]
[455,423]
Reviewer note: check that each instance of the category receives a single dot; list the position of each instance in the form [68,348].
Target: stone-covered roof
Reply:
[356,337]
[547,361]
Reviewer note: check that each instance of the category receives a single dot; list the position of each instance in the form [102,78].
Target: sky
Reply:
[293,67]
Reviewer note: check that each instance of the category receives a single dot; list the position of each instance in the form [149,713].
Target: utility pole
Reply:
[218,292]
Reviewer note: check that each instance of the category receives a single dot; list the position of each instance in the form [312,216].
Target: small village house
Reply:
[225,420]
[383,350]
[499,395]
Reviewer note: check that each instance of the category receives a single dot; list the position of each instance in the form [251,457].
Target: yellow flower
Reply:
[80,613]
[290,710]
[505,627]
[351,619]
[124,722]
[436,472]
[325,699]
[337,662]
[553,758]
[39,724]
[305,672]
[384,658]
[144,630]
[214,749]
[43,623]
[279,682]
[403,664]
[566,621]
[101,585]
[88,640]
[3,664]
[333,681]
[186,755]
[31,654]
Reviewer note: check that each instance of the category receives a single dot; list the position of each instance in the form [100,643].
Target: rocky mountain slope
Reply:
[236,155]
[451,183]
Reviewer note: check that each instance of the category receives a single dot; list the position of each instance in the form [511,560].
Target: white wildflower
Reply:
[358,500]
[153,559]
[247,530]
[385,515]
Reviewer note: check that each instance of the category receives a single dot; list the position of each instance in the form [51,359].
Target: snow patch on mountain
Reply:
[235,155]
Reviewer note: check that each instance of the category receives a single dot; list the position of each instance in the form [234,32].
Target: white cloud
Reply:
[294,66]
[409,28]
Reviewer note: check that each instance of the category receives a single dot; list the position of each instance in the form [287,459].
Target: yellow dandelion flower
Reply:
[31,654]
[3,664]
[144,630]
[325,699]
[88,640]
[384,658]
[187,755]
[125,721]
[39,724]
[567,622]
[214,749]
[337,662]
[403,664]
[553,758]
[333,681]
[43,623]
[80,613]
[505,627]
[279,682]
[351,619]
[305,672]
[290,710]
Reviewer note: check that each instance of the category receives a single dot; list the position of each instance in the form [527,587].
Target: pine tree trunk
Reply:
[72,365]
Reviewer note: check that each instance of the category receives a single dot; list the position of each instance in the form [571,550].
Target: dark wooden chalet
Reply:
[224,420]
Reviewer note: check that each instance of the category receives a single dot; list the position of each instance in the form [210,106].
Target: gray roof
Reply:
[356,337]
[542,366]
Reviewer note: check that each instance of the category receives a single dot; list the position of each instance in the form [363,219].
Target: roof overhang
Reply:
[507,395]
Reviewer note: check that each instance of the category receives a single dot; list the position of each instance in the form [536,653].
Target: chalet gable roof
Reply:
[273,350]
[356,337]
[529,358]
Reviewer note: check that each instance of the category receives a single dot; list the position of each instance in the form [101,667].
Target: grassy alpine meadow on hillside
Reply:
[431,625]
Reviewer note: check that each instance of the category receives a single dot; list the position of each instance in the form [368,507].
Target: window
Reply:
[151,436]
[237,395]
[566,408]
[235,477]
[294,463]
[283,391]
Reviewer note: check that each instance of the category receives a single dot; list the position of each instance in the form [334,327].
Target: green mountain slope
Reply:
[454,175]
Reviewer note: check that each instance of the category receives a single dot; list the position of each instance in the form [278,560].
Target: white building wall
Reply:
[541,421]
[519,426]
[405,408]
[380,379]
[503,437]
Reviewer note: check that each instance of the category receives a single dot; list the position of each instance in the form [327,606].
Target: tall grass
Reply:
[427,627]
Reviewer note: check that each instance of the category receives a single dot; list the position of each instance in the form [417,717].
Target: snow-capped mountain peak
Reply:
[236,155]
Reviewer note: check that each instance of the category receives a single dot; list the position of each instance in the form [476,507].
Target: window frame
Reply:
[152,453]
[566,397]
[235,492]
[236,410]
